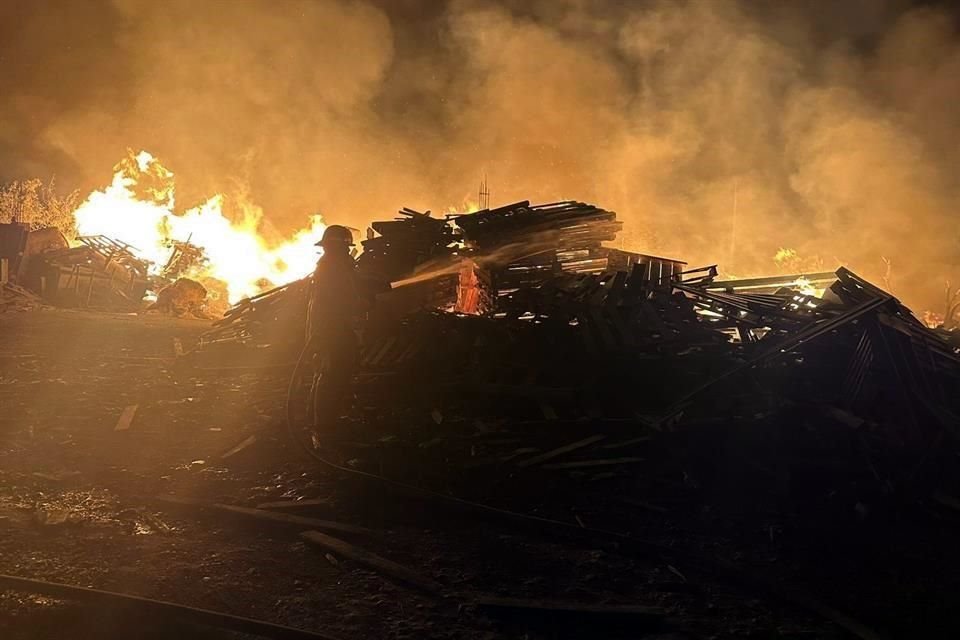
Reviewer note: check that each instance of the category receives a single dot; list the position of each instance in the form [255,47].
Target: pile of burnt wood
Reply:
[628,389]
[464,263]
[521,314]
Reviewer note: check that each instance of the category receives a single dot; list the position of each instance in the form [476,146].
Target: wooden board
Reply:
[580,464]
[264,516]
[240,446]
[637,617]
[550,455]
[295,505]
[126,418]
[372,561]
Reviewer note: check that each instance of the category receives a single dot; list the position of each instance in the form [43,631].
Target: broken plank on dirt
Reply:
[372,561]
[240,446]
[264,516]
[603,462]
[560,612]
[126,418]
[627,443]
[293,505]
[549,455]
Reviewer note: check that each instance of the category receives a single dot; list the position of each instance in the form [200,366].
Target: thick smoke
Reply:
[719,131]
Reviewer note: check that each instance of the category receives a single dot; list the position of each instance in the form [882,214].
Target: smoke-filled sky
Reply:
[718,130]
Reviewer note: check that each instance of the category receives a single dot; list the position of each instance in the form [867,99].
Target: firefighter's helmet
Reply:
[336,235]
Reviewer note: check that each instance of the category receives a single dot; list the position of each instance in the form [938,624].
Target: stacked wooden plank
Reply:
[394,248]
[273,319]
[522,245]
[462,262]
[617,312]
[571,225]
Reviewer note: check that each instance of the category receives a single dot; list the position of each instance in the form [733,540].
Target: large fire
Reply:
[138,208]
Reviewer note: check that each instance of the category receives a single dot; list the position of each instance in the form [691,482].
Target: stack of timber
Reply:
[464,262]
[395,248]
[271,321]
[519,246]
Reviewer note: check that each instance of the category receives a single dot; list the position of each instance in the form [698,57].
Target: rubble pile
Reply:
[465,263]
[590,391]
[15,298]
[506,328]
[102,273]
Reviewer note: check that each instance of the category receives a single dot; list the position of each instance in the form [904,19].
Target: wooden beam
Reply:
[636,617]
[550,455]
[240,446]
[295,505]
[372,561]
[264,516]
[580,464]
[126,418]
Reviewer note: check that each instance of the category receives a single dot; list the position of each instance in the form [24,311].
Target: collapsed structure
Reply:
[98,272]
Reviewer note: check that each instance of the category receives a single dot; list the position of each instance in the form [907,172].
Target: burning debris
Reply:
[512,360]
[97,272]
[517,363]
[139,208]
[520,315]
[183,297]
[468,263]
[131,242]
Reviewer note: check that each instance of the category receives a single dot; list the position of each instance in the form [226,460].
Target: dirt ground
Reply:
[78,506]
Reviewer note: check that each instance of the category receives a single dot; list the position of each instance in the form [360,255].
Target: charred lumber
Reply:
[263,516]
[372,561]
[550,455]
[772,282]
[295,505]
[582,464]
[634,618]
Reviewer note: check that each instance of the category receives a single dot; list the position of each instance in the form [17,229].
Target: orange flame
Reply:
[138,208]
